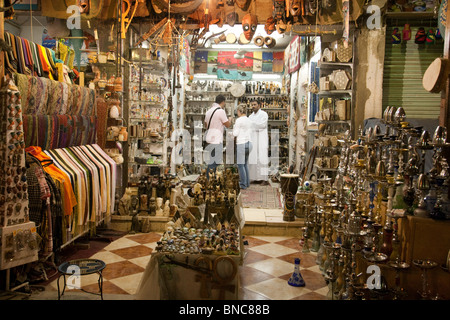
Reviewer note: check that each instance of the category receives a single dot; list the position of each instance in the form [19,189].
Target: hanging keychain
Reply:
[396,36]
[406,32]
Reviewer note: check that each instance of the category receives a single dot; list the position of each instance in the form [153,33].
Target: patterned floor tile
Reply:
[249,276]
[306,260]
[128,283]
[121,243]
[273,250]
[151,245]
[277,289]
[274,267]
[107,257]
[253,256]
[121,269]
[291,243]
[84,281]
[245,294]
[291,257]
[267,266]
[323,291]
[141,261]
[252,242]
[144,238]
[271,238]
[133,252]
[313,280]
[108,288]
[310,296]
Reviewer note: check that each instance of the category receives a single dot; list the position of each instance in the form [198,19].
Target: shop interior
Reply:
[105,182]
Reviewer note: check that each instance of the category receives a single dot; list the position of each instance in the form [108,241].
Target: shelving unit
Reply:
[198,99]
[277,107]
[335,113]
[147,118]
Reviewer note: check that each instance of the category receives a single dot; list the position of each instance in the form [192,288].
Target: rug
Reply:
[264,197]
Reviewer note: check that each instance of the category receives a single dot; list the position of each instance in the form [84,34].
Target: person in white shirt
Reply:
[242,131]
[259,156]
[215,121]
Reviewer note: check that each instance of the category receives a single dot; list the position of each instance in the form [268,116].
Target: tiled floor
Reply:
[268,264]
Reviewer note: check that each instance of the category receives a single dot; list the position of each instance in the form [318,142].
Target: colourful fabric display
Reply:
[29,58]
[92,174]
[42,96]
[69,200]
[59,131]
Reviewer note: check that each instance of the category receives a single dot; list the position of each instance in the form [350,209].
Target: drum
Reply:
[289,185]
[242,39]
[231,38]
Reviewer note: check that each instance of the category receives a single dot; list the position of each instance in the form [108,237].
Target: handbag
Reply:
[205,144]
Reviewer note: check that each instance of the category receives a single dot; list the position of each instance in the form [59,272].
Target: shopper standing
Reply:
[242,131]
[215,121]
[259,156]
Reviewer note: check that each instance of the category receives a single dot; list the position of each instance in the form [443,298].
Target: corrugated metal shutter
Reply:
[404,67]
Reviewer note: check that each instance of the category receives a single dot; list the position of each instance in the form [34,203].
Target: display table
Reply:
[190,277]
[81,267]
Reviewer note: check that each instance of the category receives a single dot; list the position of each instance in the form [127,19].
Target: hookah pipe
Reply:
[311,158]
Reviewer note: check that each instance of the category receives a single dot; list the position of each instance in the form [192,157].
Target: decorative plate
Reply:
[243,40]
[231,38]
[163,83]
[237,90]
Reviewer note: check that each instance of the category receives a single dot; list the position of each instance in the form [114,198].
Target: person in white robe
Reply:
[259,156]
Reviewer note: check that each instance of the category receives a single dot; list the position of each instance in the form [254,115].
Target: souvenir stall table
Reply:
[199,254]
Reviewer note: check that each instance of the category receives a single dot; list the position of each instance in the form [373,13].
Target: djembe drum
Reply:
[289,186]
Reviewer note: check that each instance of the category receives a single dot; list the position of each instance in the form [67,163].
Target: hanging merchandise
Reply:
[346,13]
[396,37]
[243,4]
[421,36]
[442,18]
[406,32]
[231,17]
[296,8]
[279,10]
[431,38]
[269,27]
[438,35]
[249,24]
[17,233]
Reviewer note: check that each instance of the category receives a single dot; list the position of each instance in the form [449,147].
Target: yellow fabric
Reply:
[63,51]
[44,55]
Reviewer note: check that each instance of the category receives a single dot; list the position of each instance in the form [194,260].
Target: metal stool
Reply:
[81,267]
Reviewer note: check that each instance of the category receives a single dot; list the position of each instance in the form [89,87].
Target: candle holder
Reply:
[315,245]
[306,236]
[332,270]
[423,185]
[425,266]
